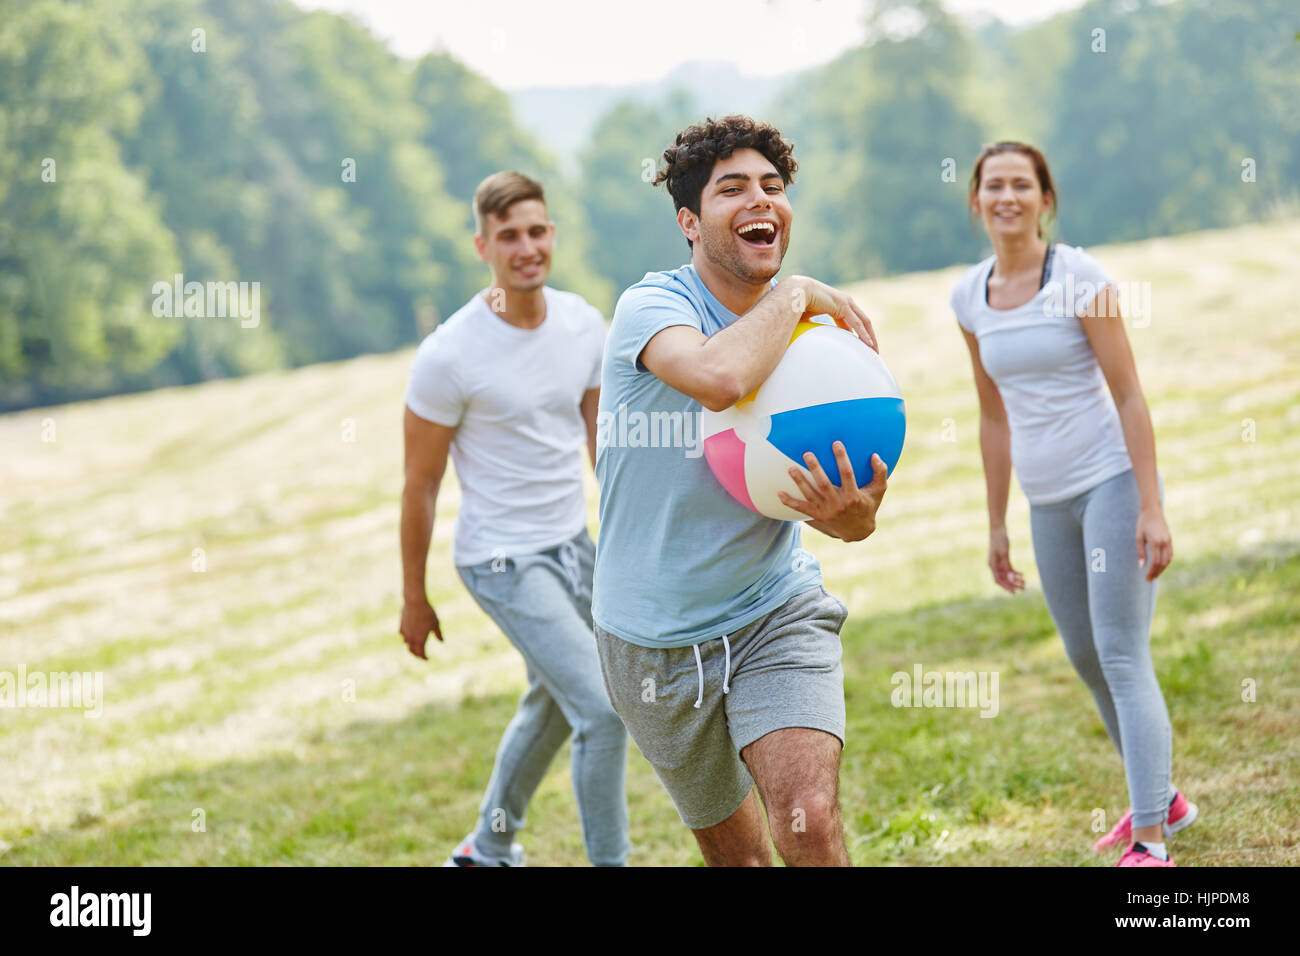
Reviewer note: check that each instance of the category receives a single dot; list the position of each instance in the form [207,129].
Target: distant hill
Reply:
[562,116]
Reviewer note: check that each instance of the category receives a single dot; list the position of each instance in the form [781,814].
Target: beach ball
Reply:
[829,386]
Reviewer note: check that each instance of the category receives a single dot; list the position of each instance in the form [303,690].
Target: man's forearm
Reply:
[418,504]
[589,419]
[747,351]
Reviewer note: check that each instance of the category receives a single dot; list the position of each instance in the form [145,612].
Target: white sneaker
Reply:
[465,855]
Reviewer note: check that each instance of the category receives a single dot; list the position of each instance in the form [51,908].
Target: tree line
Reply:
[229,141]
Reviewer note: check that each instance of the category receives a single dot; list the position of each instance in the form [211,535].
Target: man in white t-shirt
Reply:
[509,386]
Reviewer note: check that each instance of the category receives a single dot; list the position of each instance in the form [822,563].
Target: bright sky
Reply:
[523,43]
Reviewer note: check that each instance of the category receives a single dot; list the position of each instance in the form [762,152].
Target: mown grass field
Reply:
[271,692]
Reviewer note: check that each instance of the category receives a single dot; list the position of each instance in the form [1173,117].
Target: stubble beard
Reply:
[522,285]
[722,247]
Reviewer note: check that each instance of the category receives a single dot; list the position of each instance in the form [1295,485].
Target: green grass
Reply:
[224,689]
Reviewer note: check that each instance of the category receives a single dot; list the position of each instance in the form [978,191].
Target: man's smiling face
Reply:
[745,216]
[517,245]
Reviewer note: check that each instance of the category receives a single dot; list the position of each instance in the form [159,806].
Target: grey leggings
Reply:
[1102,604]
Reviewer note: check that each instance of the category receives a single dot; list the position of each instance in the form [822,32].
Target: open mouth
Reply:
[759,233]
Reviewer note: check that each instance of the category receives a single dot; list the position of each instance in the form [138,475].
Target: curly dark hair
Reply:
[690,160]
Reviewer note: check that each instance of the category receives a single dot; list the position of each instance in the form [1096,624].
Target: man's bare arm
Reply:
[719,370]
[589,409]
[426,447]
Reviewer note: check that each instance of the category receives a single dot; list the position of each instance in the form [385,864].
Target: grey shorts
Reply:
[784,671]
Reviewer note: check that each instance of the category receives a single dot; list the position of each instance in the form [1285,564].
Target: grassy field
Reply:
[226,555]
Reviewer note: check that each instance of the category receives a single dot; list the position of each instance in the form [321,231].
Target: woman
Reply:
[1046,338]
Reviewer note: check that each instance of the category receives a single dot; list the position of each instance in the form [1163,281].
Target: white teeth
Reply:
[750,227]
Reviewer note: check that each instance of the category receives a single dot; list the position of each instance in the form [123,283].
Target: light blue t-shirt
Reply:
[679,561]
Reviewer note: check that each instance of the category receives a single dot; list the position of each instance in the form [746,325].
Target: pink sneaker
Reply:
[1182,814]
[466,855]
[1135,857]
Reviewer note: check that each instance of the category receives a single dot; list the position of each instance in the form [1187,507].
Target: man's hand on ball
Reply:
[820,299]
[848,512]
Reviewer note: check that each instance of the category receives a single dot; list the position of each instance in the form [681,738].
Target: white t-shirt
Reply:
[1065,431]
[513,397]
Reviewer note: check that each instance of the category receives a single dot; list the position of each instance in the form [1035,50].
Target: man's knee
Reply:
[806,815]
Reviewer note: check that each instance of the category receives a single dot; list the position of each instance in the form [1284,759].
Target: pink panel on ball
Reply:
[725,453]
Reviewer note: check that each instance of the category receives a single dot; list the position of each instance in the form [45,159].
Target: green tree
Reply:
[472,130]
[80,240]
[360,236]
[882,135]
[634,222]
[1152,131]
[198,143]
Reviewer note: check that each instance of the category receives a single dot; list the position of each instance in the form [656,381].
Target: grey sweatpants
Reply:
[542,602]
[1102,604]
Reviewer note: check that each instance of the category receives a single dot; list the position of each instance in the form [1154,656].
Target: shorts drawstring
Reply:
[699,667]
[726,672]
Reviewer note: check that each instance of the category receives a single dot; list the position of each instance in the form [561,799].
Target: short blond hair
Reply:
[499,192]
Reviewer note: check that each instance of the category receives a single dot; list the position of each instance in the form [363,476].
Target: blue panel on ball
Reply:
[865,425]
